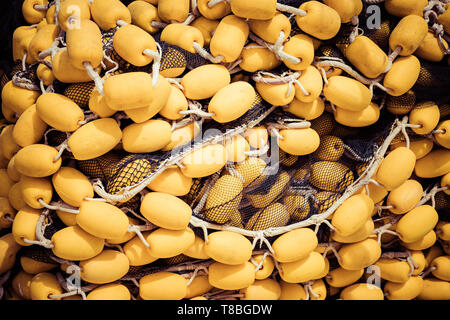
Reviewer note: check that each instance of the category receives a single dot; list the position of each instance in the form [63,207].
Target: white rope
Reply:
[176,81]
[338,63]
[205,54]
[432,4]
[392,57]
[158,24]
[355,31]
[181,123]
[191,17]
[199,268]
[194,108]
[39,243]
[88,117]
[412,265]
[275,132]
[116,65]
[309,290]
[194,8]
[121,23]
[306,93]
[385,228]
[24,64]
[331,246]
[431,195]
[156,55]
[296,11]
[50,51]
[258,152]
[439,131]
[58,206]
[94,76]
[135,282]
[286,77]
[262,239]
[324,75]
[39,232]
[383,207]
[276,48]
[41,84]
[94,199]
[137,230]
[202,201]
[57,7]
[233,67]
[63,146]
[212,3]
[258,266]
[41,7]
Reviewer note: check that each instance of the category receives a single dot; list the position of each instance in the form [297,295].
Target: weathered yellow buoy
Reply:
[359,255]
[43,285]
[417,223]
[129,90]
[175,286]
[205,161]
[405,197]
[113,291]
[232,101]
[166,210]
[347,93]
[229,38]
[35,189]
[37,160]
[228,247]
[294,245]
[108,266]
[320,21]
[75,244]
[407,290]
[106,13]
[102,219]
[94,139]
[362,291]
[148,136]
[130,42]
[72,186]
[171,181]
[396,168]
[231,277]
[302,270]
[137,252]
[166,243]
[352,214]
[434,164]
[205,81]
[290,137]
[29,128]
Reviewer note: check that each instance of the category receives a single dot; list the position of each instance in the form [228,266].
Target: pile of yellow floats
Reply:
[151,107]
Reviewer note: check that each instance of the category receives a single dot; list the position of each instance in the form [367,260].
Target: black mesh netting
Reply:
[301,187]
